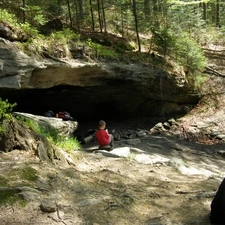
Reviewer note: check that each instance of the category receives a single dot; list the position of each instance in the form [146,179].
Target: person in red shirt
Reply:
[102,135]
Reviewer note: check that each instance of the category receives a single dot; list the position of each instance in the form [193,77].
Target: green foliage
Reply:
[186,18]
[5,110]
[10,197]
[30,123]
[69,144]
[3,181]
[208,35]
[101,51]
[184,50]
[11,19]
[163,38]
[34,15]
[64,36]
[59,40]
[200,79]
[121,48]
[130,157]
[24,174]
[196,79]
[188,53]
[29,30]
[6,16]
[49,132]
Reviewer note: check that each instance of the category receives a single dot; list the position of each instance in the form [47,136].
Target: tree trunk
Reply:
[122,31]
[81,10]
[92,16]
[77,15]
[99,16]
[218,13]
[103,15]
[69,11]
[155,6]
[24,14]
[136,24]
[204,11]
[147,9]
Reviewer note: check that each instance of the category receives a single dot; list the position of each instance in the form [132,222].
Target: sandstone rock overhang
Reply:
[90,90]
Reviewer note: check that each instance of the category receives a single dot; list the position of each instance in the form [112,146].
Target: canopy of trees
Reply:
[178,28]
[120,16]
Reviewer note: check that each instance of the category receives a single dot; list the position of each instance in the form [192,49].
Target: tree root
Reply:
[59,218]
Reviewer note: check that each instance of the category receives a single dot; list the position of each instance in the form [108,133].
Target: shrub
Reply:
[101,51]
[6,16]
[5,110]
[29,30]
[64,35]
[188,53]
[68,144]
[163,38]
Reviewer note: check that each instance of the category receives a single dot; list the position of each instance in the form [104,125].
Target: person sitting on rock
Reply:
[105,140]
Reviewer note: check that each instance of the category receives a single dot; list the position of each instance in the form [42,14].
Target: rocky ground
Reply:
[157,180]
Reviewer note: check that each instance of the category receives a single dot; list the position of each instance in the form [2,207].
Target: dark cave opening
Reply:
[87,105]
[83,103]
[118,104]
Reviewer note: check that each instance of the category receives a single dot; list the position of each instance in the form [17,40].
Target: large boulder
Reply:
[63,128]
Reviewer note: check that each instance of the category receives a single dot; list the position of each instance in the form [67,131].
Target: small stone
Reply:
[221,136]
[48,205]
[106,147]
[166,125]
[221,152]
[141,133]
[176,147]
[133,141]
[133,136]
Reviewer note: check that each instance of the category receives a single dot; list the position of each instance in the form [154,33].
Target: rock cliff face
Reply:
[90,90]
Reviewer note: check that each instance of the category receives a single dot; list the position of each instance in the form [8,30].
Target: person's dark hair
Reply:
[101,123]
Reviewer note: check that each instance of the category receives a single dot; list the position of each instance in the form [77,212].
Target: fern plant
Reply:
[6,16]
[63,36]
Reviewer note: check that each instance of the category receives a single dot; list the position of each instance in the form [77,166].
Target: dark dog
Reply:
[217,215]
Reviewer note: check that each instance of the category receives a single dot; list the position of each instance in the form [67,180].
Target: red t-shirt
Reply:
[102,137]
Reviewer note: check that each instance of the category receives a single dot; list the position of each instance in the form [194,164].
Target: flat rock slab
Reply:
[116,152]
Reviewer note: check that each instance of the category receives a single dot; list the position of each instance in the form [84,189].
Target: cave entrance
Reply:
[83,103]
[123,104]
